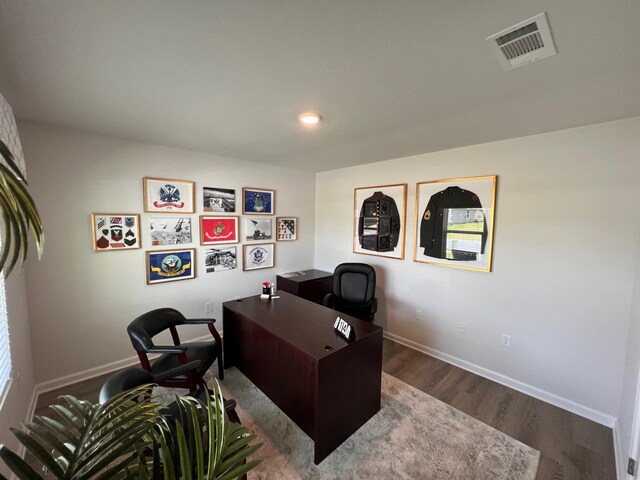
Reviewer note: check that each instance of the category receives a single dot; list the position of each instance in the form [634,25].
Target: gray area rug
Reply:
[413,436]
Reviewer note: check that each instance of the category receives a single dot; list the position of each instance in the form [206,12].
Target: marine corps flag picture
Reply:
[454,222]
[379,220]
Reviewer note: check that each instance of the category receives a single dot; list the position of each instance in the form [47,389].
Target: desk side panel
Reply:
[282,372]
[349,392]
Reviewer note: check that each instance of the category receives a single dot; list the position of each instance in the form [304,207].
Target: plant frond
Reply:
[17,465]
[39,451]
[19,214]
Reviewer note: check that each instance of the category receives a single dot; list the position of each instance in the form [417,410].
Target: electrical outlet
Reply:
[462,328]
[208,307]
[418,314]
[506,340]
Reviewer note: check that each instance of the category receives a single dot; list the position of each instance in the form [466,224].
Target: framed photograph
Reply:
[218,230]
[219,200]
[379,220]
[220,259]
[286,228]
[162,195]
[258,229]
[257,256]
[170,230]
[258,201]
[454,222]
[170,265]
[115,231]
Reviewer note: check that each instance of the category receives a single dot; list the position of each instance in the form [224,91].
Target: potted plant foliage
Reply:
[128,437]
[19,214]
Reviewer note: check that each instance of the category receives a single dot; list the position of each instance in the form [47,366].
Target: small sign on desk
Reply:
[344,329]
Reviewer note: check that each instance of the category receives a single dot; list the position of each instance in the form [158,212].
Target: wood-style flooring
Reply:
[572,447]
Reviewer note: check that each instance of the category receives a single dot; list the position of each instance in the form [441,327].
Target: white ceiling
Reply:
[391,77]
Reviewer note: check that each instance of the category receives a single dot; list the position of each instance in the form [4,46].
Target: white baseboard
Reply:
[84,375]
[621,473]
[564,403]
[92,373]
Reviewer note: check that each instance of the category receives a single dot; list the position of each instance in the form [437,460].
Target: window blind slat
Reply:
[5,348]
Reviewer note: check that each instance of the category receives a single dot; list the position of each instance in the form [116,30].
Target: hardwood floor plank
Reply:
[571,447]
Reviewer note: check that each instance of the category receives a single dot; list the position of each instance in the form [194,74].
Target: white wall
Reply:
[630,381]
[80,302]
[565,250]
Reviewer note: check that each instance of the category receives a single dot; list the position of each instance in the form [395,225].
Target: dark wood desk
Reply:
[313,285]
[280,345]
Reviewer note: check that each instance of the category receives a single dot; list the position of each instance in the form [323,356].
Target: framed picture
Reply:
[257,256]
[454,222]
[286,228]
[379,218]
[115,231]
[162,195]
[220,259]
[258,201]
[170,265]
[218,230]
[219,200]
[170,230]
[258,229]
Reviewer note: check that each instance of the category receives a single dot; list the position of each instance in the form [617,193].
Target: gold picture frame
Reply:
[286,229]
[258,201]
[454,221]
[256,256]
[164,195]
[170,265]
[379,220]
[115,231]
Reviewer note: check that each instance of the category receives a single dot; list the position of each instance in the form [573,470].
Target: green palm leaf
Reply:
[19,215]
[127,437]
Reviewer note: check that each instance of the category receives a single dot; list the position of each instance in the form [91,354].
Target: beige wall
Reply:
[565,250]
[80,302]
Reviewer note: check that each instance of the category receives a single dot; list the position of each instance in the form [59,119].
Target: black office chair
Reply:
[132,377]
[141,332]
[354,287]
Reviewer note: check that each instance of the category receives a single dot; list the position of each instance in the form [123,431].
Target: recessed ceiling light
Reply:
[310,118]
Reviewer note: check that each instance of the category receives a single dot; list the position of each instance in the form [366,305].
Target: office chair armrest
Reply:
[199,321]
[166,349]
[374,305]
[327,301]
[174,372]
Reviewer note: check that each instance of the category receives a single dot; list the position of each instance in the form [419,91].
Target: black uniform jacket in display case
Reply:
[379,223]
[435,226]
[454,222]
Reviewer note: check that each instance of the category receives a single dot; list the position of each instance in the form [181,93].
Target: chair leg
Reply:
[233,416]
[220,368]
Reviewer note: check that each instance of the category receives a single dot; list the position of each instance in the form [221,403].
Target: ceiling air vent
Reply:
[523,43]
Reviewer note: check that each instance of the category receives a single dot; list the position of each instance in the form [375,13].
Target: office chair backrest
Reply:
[354,283]
[124,380]
[143,328]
